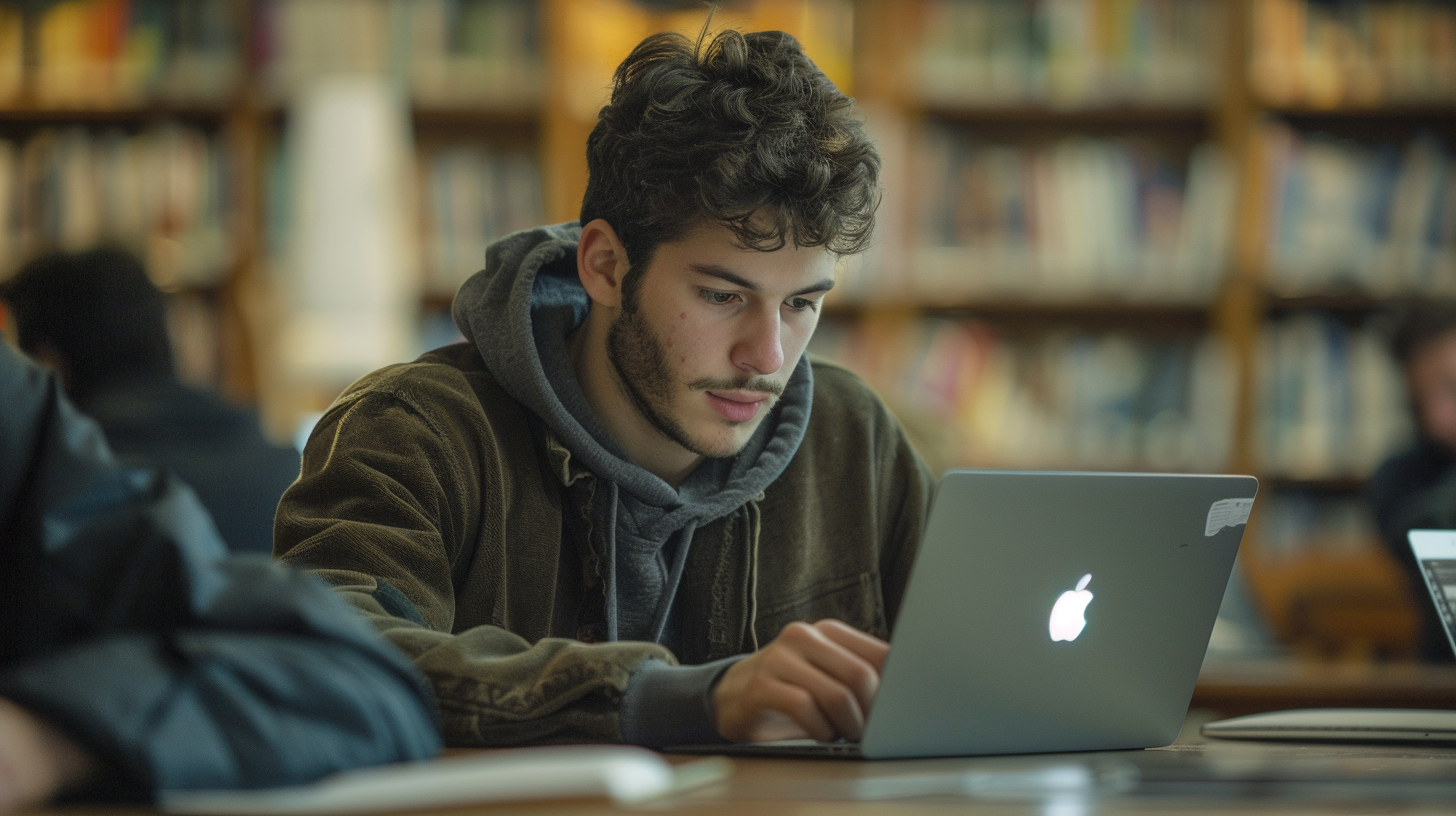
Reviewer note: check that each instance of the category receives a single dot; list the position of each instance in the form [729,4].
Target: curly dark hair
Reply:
[742,130]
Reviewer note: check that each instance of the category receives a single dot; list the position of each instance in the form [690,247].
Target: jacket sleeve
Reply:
[176,668]
[391,509]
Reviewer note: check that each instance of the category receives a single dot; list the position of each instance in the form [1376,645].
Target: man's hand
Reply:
[36,761]
[814,680]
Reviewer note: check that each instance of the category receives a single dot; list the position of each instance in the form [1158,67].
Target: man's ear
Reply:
[601,263]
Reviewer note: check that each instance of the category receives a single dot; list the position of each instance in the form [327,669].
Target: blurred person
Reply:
[100,322]
[629,508]
[136,658]
[1416,488]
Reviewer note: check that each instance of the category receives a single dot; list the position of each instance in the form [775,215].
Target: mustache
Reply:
[762,385]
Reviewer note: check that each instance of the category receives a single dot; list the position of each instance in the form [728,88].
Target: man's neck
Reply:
[644,444]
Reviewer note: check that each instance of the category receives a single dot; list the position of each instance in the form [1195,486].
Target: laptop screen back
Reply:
[1435,551]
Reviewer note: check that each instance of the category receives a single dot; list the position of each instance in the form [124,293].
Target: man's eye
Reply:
[718,298]
[802,304]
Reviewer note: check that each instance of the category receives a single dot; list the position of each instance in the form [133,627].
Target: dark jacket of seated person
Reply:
[137,658]
[99,320]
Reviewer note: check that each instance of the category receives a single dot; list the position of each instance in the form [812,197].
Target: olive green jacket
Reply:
[454,520]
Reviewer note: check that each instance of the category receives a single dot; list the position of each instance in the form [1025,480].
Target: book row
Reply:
[1294,523]
[1072,219]
[1331,399]
[1366,52]
[444,53]
[472,196]
[162,193]
[974,397]
[1375,218]
[1070,53]
[109,53]
[118,53]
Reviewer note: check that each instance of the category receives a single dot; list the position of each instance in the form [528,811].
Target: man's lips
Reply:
[737,406]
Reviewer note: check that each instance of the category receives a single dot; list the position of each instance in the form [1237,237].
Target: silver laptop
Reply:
[1435,552]
[1050,612]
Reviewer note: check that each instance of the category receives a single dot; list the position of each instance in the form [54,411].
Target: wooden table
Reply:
[1231,688]
[1192,776]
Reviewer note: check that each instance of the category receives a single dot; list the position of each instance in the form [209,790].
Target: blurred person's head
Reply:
[1424,341]
[93,316]
[726,176]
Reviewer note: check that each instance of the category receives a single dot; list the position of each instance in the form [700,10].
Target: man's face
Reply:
[1432,377]
[706,346]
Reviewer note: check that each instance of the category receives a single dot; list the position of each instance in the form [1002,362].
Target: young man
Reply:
[1416,488]
[629,508]
[135,658]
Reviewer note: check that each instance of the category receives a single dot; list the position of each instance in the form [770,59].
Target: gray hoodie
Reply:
[518,312]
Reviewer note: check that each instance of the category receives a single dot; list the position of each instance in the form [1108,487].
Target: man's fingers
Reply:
[799,705]
[822,676]
[839,703]
[867,646]
[842,666]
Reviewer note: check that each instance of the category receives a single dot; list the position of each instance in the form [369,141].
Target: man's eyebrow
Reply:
[715,271]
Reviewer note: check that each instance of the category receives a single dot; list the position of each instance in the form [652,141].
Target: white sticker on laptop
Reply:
[1227,513]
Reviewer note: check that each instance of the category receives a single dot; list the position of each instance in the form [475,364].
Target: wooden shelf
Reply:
[1357,302]
[507,116]
[436,302]
[484,116]
[1073,118]
[1333,485]
[1417,110]
[1009,309]
[41,115]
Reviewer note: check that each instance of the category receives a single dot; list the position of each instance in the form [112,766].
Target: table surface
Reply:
[1234,687]
[1194,775]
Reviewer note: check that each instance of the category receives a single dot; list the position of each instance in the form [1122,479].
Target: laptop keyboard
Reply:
[782,748]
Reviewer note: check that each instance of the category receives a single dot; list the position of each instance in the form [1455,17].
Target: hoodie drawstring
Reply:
[755,533]
[679,563]
[611,536]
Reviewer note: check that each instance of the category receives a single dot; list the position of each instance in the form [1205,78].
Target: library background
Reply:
[1116,234]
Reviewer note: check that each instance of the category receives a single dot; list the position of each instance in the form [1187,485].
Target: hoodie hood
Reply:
[518,312]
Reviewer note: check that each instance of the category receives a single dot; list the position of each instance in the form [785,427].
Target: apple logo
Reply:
[1067,619]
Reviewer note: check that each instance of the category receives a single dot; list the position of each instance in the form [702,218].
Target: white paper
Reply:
[621,773]
[1227,513]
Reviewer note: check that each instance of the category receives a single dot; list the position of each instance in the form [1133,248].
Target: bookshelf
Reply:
[1071,95]
[1359,78]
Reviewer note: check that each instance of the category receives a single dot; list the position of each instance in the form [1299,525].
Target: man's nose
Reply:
[760,351]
